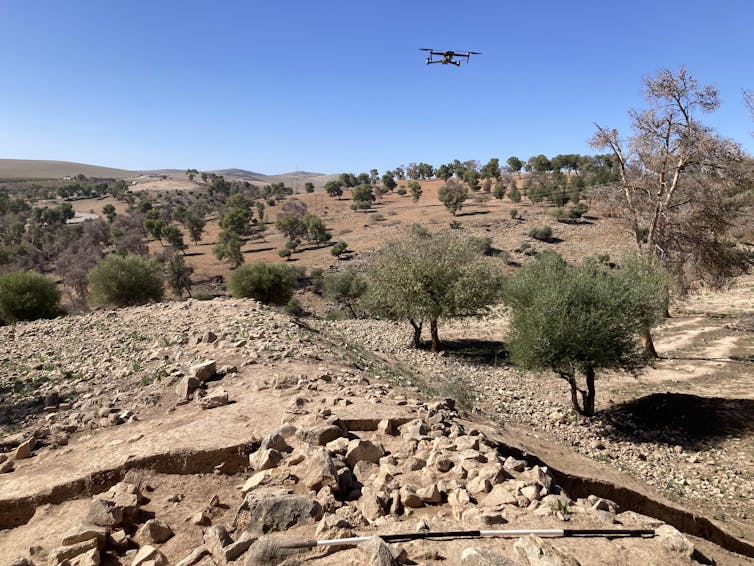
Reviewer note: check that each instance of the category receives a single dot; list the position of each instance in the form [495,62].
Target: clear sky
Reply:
[336,86]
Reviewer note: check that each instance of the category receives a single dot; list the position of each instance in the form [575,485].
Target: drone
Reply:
[447,56]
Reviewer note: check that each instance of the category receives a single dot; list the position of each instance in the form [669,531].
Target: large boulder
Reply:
[280,512]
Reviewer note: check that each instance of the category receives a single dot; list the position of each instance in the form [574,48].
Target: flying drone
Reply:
[446,57]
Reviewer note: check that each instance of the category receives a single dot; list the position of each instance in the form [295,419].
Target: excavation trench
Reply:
[234,459]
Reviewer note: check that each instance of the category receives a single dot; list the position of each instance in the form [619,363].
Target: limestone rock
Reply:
[217,397]
[535,551]
[149,554]
[186,386]
[205,370]
[265,459]
[474,556]
[84,532]
[377,553]
[275,441]
[363,451]
[320,471]
[278,513]
[321,435]
[672,539]
[71,551]
[153,532]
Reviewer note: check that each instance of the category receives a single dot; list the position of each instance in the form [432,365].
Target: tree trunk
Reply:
[588,395]
[417,340]
[648,345]
[435,337]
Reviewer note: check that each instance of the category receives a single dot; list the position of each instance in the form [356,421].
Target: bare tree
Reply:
[679,180]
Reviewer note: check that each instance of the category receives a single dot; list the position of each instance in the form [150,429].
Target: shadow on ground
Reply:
[482,352]
[680,419]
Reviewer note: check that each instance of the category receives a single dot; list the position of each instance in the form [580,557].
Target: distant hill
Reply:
[43,169]
[40,169]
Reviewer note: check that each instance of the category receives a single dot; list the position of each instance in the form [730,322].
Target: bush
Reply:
[269,283]
[28,296]
[126,281]
[542,233]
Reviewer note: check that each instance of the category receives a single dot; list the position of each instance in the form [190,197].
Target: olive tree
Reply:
[430,278]
[576,321]
[453,195]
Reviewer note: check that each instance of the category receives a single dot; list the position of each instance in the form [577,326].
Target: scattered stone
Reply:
[24,449]
[194,557]
[265,459]
[205,370]
[320,471]
[278,513]
[474,556]
[275,441]
[321,435]
[254,481]
[186,386]
[377,552]
[68,552]
[363,451]
[535,551]
[83,532]
[217,397]
[149,555]
[153,532]
[672,539]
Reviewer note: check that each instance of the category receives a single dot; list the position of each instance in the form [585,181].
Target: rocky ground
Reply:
[185,432]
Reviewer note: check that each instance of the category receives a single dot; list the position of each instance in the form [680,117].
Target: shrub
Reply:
[126,281]
[346,288]
[269,283]
[542,233]
[28,296]
[514,213]
[339,249]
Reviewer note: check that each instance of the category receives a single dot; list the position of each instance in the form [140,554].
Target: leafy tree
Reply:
[346,288]
[680,180]
[178,274]
[374,176]
[348,180]
[126,281]
[291,226]
[430,278]
[491,170]
[334,189]
[363,193]
[236,220]
[453,195]
[416,190]
[269,283]
[174,237]
[316,231]
[514,193]
[575,321]
[195,224]
[27,296]
[539,164]
[286,253]
[388,181]
[154,224]
[229,247]
[444,172]
[499,191]
[190,174]
[109,211]
[471,178]
[309,187]
[514,164]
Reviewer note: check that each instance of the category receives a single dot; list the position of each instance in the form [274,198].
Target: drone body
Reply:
[446,57]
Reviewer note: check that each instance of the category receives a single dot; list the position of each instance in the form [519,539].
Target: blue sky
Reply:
[337,86]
